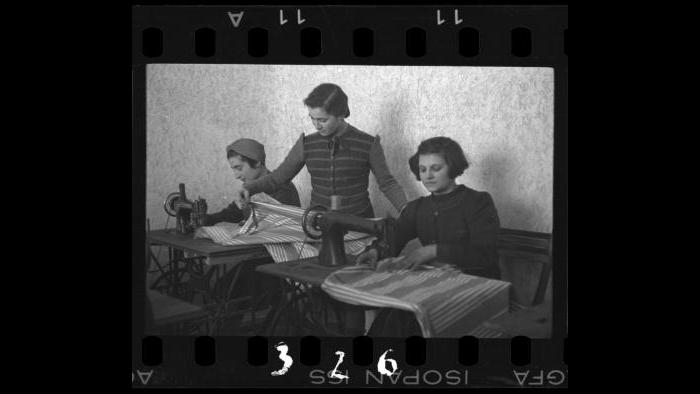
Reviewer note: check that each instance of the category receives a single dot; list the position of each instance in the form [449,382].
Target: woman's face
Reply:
[434,173]
[242,170]
[324,123]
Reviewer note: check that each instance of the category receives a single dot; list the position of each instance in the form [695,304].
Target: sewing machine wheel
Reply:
[169,204]
[304,218]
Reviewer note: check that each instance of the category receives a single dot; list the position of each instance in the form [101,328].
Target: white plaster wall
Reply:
[502,117]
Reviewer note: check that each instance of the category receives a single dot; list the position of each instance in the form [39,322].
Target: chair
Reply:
[525,261]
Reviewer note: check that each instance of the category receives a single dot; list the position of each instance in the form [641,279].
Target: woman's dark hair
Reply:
[331,98]
[252,163]
[450,151]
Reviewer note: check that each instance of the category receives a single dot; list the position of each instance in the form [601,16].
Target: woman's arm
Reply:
[404,231]
[229,214]
[405,226]
[289,168]
[387,184]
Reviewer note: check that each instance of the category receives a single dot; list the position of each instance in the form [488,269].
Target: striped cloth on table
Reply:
[278,230]
[486,332]
[446,302]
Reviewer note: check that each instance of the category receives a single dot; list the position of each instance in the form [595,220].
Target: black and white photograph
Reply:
[349,200]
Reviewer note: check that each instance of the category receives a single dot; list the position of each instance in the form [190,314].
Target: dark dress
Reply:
[464,225]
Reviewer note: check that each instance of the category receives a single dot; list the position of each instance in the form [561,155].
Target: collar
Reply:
[336,140]
[339,134]
[443,197]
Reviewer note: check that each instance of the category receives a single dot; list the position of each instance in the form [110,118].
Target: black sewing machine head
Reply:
[188,214]
[333,226]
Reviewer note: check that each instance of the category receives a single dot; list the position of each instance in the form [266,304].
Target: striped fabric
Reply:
[278,228]
[485,332]
[446,302]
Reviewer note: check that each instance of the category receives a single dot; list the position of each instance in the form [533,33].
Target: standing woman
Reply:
[338,156]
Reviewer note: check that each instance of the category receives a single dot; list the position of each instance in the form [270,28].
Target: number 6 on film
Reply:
[381,365]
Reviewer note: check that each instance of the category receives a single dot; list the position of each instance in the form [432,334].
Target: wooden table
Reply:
[213,254]
[308,271]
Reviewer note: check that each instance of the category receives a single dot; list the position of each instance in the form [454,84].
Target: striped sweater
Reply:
[340,165]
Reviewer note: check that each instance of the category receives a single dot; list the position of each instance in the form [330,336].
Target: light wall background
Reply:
[503,118]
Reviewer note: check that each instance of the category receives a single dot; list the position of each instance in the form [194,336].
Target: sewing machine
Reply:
[331,226]
[188,214]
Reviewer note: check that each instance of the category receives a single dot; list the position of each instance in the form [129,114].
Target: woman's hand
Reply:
[368,257]
[241,196]
[420,256]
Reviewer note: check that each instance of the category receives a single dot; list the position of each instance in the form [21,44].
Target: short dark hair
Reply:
[252,163]
[450,151]
[331,98]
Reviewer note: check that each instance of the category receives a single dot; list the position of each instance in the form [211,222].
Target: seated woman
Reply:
[247,160]
[455,224]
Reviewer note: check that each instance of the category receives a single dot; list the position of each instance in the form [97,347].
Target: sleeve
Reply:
[287,194]
[229,214]
[405,226]
[387,184]
[289,168]
[480,253]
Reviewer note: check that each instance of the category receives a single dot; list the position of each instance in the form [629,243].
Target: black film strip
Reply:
[323,37]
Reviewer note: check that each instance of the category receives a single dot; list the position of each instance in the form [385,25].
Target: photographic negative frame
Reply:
[178,50]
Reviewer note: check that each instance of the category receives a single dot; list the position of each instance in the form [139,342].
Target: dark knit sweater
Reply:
[463,224]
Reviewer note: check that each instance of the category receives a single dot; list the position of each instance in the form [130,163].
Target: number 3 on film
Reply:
[287,363]
[286,359]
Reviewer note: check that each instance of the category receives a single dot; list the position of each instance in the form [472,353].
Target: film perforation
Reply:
[204,351]
[152,42]
[310,350]
[257,42]
[151,351]
[311,42]
[257,351]
[415,41]
[468,42]
[521,42]
[415,351]
[205,42]
[529,357]
[520,348]
[362,350]
[311,45]
[363,42]
[468,353]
